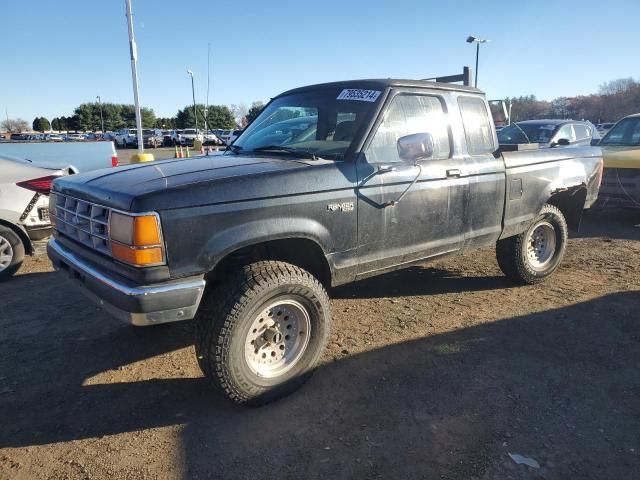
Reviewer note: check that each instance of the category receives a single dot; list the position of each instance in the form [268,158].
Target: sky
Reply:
[59,54]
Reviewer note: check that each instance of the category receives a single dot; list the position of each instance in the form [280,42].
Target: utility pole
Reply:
[101,118]
[134,75]
[193,93]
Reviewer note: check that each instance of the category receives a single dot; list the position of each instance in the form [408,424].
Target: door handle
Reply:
[453,172]
[386,169]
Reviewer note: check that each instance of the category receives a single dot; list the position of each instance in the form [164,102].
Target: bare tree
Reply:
[15,125]
[239,111]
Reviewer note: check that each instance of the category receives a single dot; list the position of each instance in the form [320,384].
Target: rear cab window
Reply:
[477,126]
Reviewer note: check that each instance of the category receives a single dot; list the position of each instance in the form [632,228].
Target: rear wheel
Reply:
[260,335]
[11,253]
[536,253]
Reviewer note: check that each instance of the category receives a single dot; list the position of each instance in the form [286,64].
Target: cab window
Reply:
[477,127]
[408,114]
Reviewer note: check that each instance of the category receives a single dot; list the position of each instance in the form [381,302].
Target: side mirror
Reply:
[414,147]
[563,142]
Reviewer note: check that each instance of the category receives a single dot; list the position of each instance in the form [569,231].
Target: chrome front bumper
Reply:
[140,305]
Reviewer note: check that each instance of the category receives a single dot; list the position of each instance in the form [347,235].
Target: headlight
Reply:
[136,239]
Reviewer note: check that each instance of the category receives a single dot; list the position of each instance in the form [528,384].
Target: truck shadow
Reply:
[560,385]
[610,222]
[418,280]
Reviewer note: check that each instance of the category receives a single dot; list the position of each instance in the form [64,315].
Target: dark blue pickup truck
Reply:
[331,183]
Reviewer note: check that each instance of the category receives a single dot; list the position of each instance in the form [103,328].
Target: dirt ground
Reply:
[437,371]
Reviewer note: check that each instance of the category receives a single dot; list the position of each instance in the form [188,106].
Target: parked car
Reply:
[152,137]
[24,210]
[228,136]
[190,135]
[621,150]
[127,137]
[20,137]
[76,137]
[603,128]
[211,138]
[550,133]
[392,173]
[167,139]
[54,137]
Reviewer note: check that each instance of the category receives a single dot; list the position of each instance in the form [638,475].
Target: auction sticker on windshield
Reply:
[359,94]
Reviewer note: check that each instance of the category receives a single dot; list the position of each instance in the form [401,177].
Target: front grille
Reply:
[84,222]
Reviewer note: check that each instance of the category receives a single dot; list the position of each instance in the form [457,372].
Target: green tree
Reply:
[219,116]
[45,126]
[35,125]
[254,111]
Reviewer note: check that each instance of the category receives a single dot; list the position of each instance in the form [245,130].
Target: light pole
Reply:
[477,41]
[193,93]
[101,118]
[134,75]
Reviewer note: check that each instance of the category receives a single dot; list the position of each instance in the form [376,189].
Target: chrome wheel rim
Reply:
[541,245]
[6,253]
[277,338]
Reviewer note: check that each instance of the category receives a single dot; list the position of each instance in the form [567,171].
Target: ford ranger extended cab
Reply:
[330,184]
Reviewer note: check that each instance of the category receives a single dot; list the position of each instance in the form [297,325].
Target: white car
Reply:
[76,137]
[228,136]
[190,135]
[127,137]
[24,210]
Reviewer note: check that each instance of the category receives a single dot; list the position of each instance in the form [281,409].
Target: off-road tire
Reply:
[224,320]
[18,250]
[512,252]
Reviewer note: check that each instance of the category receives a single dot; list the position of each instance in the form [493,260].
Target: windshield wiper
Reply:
[234,149]
[294,151]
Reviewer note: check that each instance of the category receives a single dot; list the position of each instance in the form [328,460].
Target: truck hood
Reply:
[175,183]
[621,157]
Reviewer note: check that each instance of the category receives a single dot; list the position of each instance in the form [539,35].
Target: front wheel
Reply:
[260,335]
[11,253]
[536,253]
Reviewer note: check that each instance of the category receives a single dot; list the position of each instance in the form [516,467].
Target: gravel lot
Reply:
[437,371]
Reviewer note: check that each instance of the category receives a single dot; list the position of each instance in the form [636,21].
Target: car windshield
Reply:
[147,132]
[626,132]
[527,133]
[189,132]
[324,122]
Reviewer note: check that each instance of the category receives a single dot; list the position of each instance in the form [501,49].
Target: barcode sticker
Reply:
[359,95]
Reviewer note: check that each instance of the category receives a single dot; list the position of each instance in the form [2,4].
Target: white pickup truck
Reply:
[74,157]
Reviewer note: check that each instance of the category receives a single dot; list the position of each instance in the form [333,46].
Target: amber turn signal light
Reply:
[146,231]
[137,256]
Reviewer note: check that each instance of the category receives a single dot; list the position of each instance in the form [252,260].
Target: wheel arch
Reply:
[300,251]
[570,202]
[28,246]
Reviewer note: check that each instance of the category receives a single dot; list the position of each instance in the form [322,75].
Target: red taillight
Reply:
[41,185]
[114,161]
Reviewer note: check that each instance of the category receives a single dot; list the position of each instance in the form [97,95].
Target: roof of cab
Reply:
[382,83]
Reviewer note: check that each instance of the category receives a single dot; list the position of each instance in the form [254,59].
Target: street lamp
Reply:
[101,119]
[193,93]
[477,41]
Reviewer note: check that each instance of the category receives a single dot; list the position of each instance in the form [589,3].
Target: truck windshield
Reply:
[324,122]
[626,132]
[526,133]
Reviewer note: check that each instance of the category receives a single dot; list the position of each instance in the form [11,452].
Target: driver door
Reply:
[429,218]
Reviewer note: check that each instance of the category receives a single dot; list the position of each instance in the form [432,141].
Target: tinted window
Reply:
[477,128]
[408,114]
[626,132]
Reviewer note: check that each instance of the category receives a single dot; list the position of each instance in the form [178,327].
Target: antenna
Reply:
[206,106]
